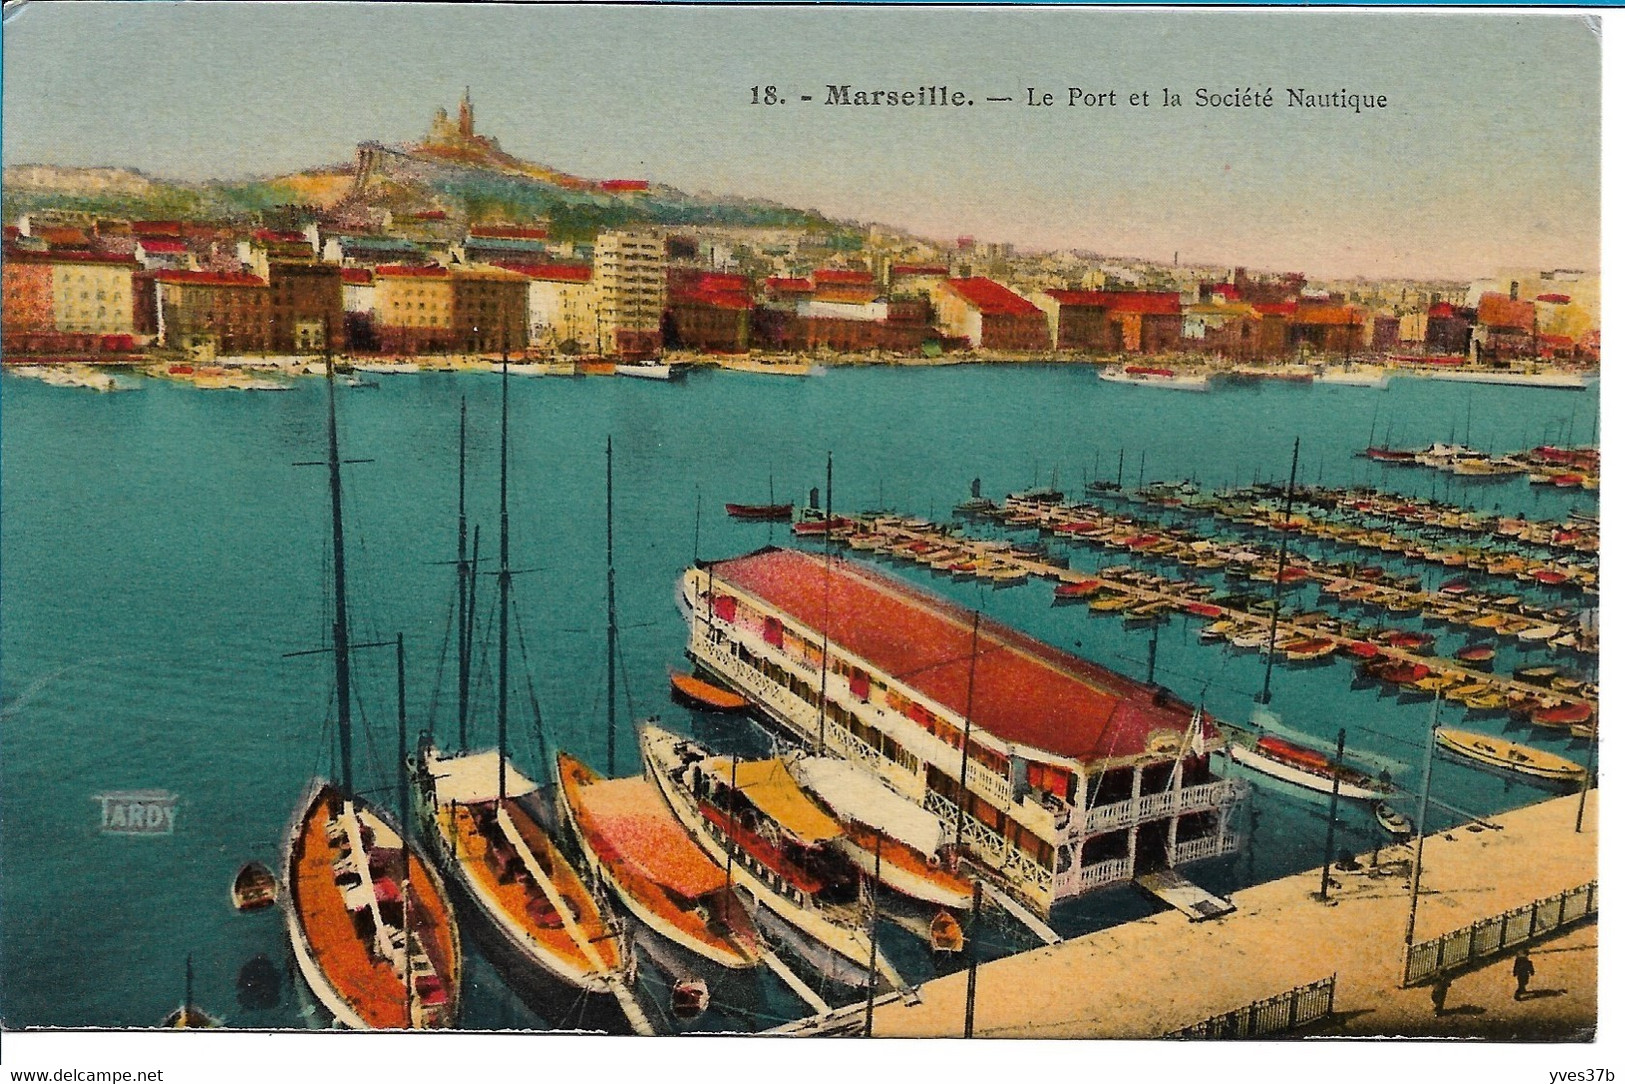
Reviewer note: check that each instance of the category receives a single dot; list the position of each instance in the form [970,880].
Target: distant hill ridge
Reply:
[453,171]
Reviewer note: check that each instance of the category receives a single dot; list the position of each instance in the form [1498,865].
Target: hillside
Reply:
[468,188]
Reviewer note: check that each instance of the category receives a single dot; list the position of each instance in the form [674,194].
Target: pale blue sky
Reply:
[1486,157]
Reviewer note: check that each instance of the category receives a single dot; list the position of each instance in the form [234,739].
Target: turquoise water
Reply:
[160,553]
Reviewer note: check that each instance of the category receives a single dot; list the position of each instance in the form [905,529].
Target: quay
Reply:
[1159,975]
[997,558]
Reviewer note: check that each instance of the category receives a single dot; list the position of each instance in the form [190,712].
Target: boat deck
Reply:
[368,981]
[525,904]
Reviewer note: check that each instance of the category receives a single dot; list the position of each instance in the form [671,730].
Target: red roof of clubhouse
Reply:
[1026,691]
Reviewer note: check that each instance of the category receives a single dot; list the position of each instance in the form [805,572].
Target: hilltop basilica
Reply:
[459,136]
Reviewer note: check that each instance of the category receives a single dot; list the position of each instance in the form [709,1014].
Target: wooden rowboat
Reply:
[703,695]
[1509,756]
[253,888]
[759,511]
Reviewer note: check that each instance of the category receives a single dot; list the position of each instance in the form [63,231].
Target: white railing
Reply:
[1101,873]
[1162,804]
[1193,850]
[993,850]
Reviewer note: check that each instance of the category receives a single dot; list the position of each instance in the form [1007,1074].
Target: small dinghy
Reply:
[697,693]
[254,888]
[690,998]
[1392,820]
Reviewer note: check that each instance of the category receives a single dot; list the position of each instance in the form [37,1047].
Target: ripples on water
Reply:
[161,553]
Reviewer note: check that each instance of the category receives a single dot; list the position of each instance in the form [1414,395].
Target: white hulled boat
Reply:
[1150,376]
[776,844]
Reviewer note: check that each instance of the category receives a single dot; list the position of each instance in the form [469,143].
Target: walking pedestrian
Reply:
[1523,969]
[1441,990]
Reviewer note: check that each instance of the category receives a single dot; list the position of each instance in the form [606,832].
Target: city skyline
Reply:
[1486,155]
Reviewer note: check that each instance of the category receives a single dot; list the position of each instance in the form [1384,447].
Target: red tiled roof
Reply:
[152,245]
[902,269]
[411,271]
[355,276]
[1499,310]
[830,276]
[991,298]
[68,256]
[1026,691]
[426,216]
[624,186]
[550,272]
[1441,310]
[1554,299]
[1227,290]
[789,286]
[209,278]
[846,293]
[1144,302]
[12,233]
[281,235]
[161,228]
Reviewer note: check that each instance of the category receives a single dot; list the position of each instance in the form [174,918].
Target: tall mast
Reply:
[823,654]
[609,586]
[341,620]
[504,586]
[964,749]
[464,599]
[1280,569]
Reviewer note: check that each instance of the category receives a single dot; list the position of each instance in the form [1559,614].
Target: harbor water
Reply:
[163,550]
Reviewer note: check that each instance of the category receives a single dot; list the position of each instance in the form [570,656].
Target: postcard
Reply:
[1024,523]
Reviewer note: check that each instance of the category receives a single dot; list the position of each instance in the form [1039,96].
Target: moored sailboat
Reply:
[486,826]
[369,922]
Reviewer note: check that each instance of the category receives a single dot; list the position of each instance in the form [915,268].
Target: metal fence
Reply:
[1491,935]
[1272,1016]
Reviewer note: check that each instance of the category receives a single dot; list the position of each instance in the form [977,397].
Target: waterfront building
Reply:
[210,313]
[629,278]
[360,302]
[1112,321]
[1076,320]
[1505,327]
[490,310]
[307,305]
[989,316]
[1076,777]
[412,309]
[708,310]
[1328,329]
[26,292]
[1449,330]
[559,304]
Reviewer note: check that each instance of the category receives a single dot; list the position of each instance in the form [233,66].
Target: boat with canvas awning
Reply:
[913,843]
[754,820]
[1306,768]
[634,844]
